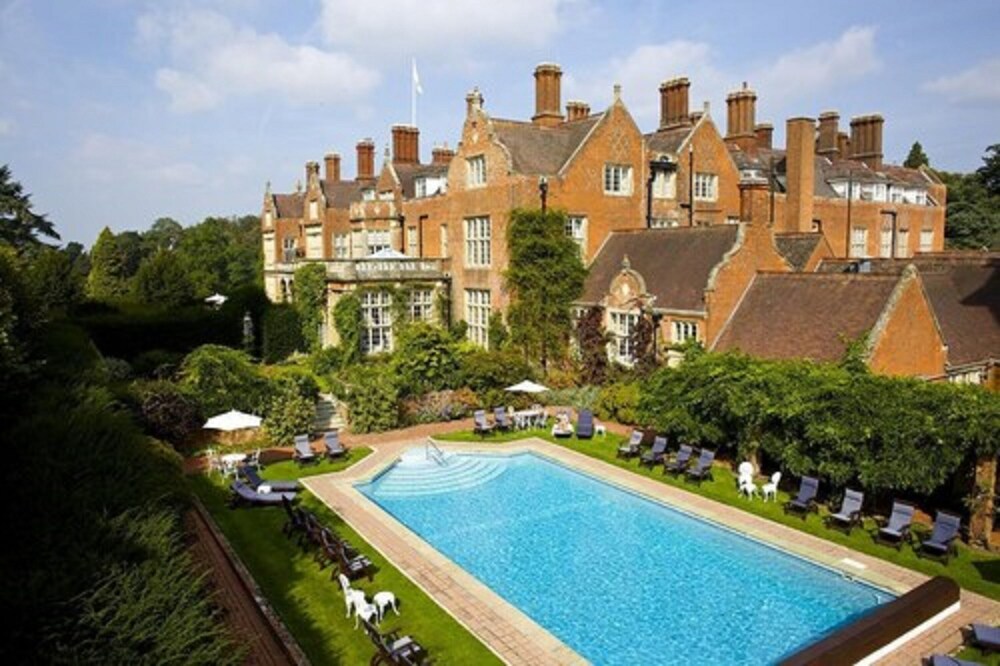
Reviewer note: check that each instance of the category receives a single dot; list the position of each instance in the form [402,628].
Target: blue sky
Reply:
[116,112]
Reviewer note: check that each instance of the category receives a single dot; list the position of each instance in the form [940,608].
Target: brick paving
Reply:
[241,612]
[518,639]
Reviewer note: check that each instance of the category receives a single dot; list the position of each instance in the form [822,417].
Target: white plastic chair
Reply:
[748,487]
[746,469]
[383,600]
[771,489]
[254,460]
[366,612]
[214,462]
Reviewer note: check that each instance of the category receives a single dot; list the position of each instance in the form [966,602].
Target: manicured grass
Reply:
[309,602]
[972,569]
[979,656]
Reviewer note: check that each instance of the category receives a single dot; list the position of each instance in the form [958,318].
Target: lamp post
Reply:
[691,184]
[543,191]
[656,167]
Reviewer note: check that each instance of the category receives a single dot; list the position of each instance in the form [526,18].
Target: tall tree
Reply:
[917,157]
[544,277]
[973,216]
[108,278]
[989,173]
[54,279]
[165,234]
[163,281]
[20,226]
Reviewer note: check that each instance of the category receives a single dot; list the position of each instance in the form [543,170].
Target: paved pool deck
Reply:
[518,639]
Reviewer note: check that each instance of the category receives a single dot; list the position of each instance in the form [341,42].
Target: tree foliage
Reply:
[989,173]
[592,345]
[223,379]
[310,302]
[288,412]
[55,281]
[545,276]
[108,278]
[282,333]
[162,281]
[347,321]
[973,213]
[372,398]
[20,226]
[425,359]
[166,410]
[916,158]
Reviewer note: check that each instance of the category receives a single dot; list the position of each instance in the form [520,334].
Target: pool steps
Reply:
[416,475]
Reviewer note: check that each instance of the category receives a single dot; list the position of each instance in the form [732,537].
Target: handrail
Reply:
[431,450]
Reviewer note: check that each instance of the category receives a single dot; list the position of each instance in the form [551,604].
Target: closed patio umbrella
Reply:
[527,386]
[232,420]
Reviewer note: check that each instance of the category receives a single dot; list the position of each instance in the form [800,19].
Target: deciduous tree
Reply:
[20,226]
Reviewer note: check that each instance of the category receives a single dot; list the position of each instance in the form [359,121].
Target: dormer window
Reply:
[368,194]
[476,171]
[420,188]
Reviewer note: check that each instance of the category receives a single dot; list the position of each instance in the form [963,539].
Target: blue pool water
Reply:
[620,579]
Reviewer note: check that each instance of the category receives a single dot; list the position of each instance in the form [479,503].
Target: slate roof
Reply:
[964,292]
[343,193]
[675,263]
[668,141]
[797,247]
[538,150]
[289,205]
[806,315]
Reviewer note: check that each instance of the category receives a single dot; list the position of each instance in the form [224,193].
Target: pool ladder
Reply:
[432,452]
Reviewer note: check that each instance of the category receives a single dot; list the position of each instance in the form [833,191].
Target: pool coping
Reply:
[515,637]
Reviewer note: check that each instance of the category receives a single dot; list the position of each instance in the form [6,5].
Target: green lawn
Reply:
[978,656]
[973,569]
[309,602]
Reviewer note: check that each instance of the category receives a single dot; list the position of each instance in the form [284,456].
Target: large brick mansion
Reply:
[681,220]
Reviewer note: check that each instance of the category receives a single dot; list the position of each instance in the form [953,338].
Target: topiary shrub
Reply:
[167,411]
[619,402]
[282,334]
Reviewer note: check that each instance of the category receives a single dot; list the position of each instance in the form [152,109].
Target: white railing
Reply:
[432,452]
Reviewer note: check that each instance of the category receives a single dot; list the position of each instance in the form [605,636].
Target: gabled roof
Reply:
[288,205]
[536,150]
[806,315]
[407,175]
[797,247]
[964,292]
[342,193]
[676,264]
[669,141]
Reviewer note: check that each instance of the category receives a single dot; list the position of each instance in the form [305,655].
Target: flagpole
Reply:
[413,93]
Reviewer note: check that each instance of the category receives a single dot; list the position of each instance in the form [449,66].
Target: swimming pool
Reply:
[619,578]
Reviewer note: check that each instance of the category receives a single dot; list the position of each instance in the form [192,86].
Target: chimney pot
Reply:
[366,159]
[548,80]
[866,139]
[674,111]
[442,155]
[741,111]
[827,143]
[575,110]
[405,144]
[764,134]
[332,162]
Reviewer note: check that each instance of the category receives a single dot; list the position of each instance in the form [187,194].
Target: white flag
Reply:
[416,79]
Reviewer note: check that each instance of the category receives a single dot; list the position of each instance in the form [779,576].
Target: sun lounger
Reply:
[945,660]
[254,481]
[703,468]
[656,454]
[353,566]
[334,449]
[680,462]
[303,451]
[850,511]
[393,648]
[585,424]
[898,528]
[630,449]
[295,522]
[805,501]
[985,637]
[244,495]
[942,541]
[480,424]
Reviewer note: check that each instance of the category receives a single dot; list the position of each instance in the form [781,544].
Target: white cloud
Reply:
[420,26]
[212,60]
[6,126]
[109,159]
[802,73]
[641,72]
[979,83]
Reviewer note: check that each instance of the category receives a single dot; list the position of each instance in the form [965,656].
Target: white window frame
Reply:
[576,229]
[478,249]
[621,324]
[902,242]
[618,179]
[665,185]
[368,194]
[885,240]
[269,249]
[927,239]
[341,246]
[477,316]
[288,250]
[859,242]
[412,246]
[706,186]
[475,168]
[376,240]
[420,304]
[314,243]
[376,314]
[314,209]
[420,188]
[682,330]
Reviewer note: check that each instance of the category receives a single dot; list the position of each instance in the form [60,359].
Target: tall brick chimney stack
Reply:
[548,105]
[800,167]
[442,155]
[405,144]
[866,139]
[764,134]
[575,110]
[828,143]
[741,111]
[843,145]
[332,165]
[366,159]
[674,111]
